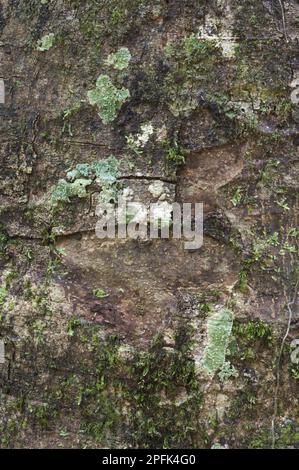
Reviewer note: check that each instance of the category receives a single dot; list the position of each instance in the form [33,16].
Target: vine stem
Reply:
[290,317]
[283,19]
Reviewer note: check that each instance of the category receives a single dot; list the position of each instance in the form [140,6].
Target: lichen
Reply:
[138,142]
[120,59]
[102,172]
[106,170]
[100,293]
[227,372]
[219,331]
[107,98]
[157,188]
[46,42]
[65,190]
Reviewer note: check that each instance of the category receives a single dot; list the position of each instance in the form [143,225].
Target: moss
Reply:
[263,250]
[250,338]
[41,413]
[251,18]
[195,47]
[287,436]
[9,431]
[118,18]
[107,98]
[253,330]
[246,400]
[219,331]
[159,417]
[243,281]
[152,396]
[3,242]
[262,81]
[174,153]
[194,76]
[120,59]
[207,299]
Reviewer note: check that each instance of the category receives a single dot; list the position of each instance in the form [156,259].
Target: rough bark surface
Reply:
[134,343]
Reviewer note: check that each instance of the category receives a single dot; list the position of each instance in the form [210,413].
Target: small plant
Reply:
[100,293]
[243,280]
[41,413]
[73,324]
[3,295]
[38,328]
[237,197]
[46,42]
[174,153]
[67,114]
[120,59]
[133,145]
[107,98]
[283,204]
[295,373]
[248,335]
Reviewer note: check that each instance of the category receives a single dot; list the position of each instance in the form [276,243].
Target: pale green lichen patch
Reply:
[46,42]
[103,172]
[219,331]
[138,142]
[119,60]
[100,293]
[107,98]
[157,188]
[227,372]
[65,190]
[106,171]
